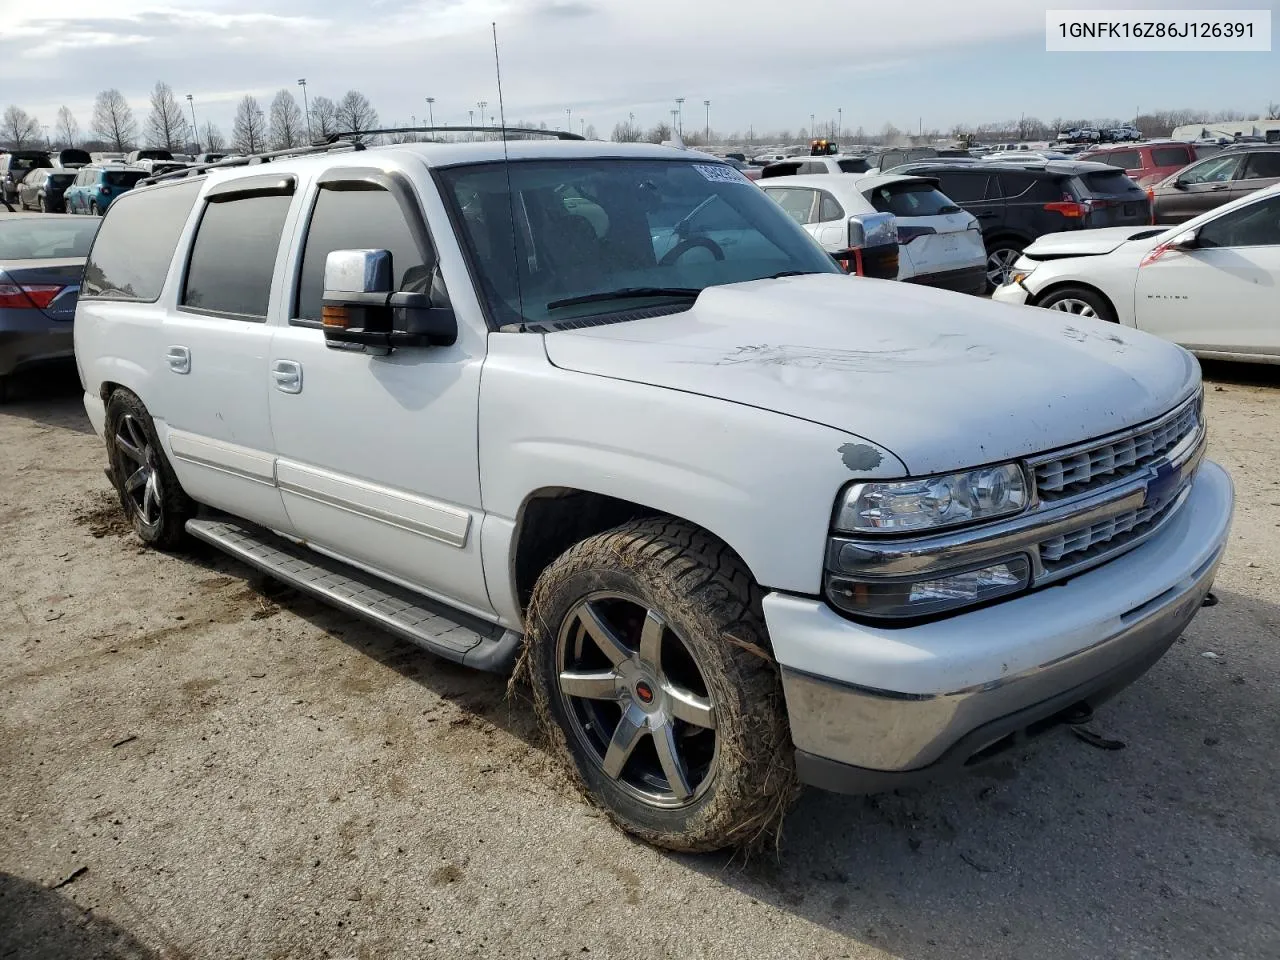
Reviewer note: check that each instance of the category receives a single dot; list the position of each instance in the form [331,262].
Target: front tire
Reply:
[150,494]
[651,671]
[1081,302]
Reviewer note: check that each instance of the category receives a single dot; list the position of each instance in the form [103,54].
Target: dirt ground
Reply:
[195,763]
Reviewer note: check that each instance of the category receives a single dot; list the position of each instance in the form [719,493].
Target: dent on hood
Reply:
[944,349]
[1080,336]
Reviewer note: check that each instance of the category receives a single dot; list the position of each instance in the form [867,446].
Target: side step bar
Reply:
[435,627]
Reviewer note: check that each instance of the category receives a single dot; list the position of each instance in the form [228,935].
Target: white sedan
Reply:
[940,244]
[1211,284]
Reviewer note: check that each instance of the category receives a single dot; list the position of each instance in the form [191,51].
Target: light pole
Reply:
[680,115]
[481,104]
[811,126]
[568,112]
[195,127]
[306,107]
[471,118]
[582,127]
[707,132]
[431,112]
[675,119]
[840,128]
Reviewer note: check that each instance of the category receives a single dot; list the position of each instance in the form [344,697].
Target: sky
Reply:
[763,65]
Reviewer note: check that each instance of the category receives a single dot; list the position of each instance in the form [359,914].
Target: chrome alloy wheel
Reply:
[1072,305]
[136,470]
[1000,265]
[636,700]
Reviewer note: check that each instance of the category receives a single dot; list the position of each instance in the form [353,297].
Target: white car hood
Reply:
[941,380]
[1085,243]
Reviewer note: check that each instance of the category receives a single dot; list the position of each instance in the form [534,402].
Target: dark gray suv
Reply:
[1226,176]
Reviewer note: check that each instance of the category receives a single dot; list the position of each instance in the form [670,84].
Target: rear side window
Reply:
[964,187]
[1170,156]
[829,209]
[1109,184]
[796,201]
[234,256]
[361,219]
[911,200]
[1031,189]
[135,246]
[857,165]
[1262,166]
[812,167]
[1124,159]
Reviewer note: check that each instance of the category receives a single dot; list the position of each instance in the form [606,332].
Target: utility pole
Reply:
[306,107]
[431,112]
[568,112]
[840,129]
[680,115]
[481,104]
[707,133]
[675,119]
[48,142]
[195,127]
[811,125]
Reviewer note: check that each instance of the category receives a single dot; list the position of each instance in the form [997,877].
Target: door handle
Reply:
[288,375]
[1217,187]
[179,359]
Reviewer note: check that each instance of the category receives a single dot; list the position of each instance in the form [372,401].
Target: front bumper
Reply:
[872,708]
[1011,293]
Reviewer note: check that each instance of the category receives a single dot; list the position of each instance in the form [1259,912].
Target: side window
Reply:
[234,256]
[796,201]
[356,219]
[1170,156]
[812,167]
[131,255]
[1263,165]
[829,209]
[964,187]
[1257,225]
[1215,170]
[1124,159]
[1031,189]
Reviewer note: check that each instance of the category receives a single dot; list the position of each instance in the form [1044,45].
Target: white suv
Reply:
[606,411]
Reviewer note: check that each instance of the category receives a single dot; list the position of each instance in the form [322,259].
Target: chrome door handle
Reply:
[288,375]
[179,359]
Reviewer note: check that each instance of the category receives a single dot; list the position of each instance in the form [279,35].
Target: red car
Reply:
[1145,163]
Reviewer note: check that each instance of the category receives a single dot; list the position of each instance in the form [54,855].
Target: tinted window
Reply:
[31,238]
[1256,225]
[234,256]
[796,201]
[1262,165]
[829,209]
[141,231]
[964,187]
[853,166]
[353,220]
[61,179]
[123,178]
[1024,186]
[911,200]
[813,166]
[20,166]
[1216,170]
[1124,159]
[1170,156]
[1110,184]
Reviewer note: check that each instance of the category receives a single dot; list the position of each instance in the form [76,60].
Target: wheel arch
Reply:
[1057,285]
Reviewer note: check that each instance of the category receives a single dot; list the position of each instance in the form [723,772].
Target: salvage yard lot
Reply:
[199,763]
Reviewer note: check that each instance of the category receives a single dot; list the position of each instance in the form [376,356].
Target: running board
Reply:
[435,627]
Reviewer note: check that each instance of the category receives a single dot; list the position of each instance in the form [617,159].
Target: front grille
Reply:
[1079,547]
[1108,461]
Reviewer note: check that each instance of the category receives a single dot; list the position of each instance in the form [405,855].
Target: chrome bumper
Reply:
[1092,636]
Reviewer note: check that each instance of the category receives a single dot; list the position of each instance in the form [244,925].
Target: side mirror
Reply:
[1185,241]
[872,230]
[1180,184]
[361,308]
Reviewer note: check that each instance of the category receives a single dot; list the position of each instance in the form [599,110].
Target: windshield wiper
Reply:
[690,293]
[787,273]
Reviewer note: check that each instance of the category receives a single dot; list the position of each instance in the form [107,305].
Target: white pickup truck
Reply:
[606,410]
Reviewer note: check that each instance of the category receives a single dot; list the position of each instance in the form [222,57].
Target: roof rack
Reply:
[254,158]
[526,131]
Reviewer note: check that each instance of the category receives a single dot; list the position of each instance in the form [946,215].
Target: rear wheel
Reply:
[40,205]
[650,668]
[149,490]
[1080,301]
[93,209]
[1001,256]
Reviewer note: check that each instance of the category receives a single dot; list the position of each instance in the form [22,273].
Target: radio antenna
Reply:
[506,162]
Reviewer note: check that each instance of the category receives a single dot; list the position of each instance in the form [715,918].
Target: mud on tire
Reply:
[150,494]
[689,587]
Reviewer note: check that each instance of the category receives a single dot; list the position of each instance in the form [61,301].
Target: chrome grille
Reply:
[1112,535]
[1108,461]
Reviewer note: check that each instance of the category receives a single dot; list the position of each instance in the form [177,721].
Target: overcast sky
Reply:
[762,64]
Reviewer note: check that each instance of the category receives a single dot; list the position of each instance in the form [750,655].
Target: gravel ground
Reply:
[197,763]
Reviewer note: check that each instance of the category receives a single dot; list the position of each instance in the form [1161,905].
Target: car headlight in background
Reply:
[931,503]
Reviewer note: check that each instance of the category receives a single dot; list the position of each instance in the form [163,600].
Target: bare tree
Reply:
[113,120]
[249,132]
[288,127]
[19,128]
[658,133]
[1273,110]
[167,128]
[355,113]
[68,128]
[214,141]
[324,117]
[627,132]
[590,132]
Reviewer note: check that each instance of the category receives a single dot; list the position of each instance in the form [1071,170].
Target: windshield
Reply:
[123,178]
[617,232]
[29,238]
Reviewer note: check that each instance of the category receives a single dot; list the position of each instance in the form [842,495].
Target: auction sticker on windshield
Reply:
[719,173]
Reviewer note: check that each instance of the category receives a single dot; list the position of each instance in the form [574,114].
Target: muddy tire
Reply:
[150,494]
[653,676]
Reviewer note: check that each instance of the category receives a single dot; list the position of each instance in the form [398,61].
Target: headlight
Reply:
[931,503]
[938,593]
